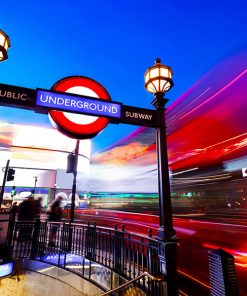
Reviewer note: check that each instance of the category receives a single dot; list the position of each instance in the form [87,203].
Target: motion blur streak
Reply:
[211,130]
[213,96]
[193,278]
[189,104]
[240,257]
[182,172]
[197,233]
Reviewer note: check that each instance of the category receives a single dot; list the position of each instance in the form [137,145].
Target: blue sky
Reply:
[114,42]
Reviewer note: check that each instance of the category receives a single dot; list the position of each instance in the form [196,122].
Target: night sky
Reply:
[114,42]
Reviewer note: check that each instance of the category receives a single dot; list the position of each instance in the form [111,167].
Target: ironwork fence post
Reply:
[118,250]
[11,229]
[153,266]
[34,246]
[90,242]
[66,242]
[168,267]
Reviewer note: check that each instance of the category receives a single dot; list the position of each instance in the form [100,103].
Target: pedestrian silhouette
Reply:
[26,210]
[55,215]
[26,213]
[37,207]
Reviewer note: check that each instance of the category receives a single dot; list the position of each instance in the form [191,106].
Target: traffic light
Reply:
[13,191]
[10,175]
[71,163]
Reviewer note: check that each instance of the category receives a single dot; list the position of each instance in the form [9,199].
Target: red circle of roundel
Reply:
[70,128]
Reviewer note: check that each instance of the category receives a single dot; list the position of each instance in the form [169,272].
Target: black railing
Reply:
[78,247]
[130,287]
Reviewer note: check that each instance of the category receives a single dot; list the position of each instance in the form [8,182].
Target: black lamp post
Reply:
[4,46]
[54,190]
[158,80]
[35,183]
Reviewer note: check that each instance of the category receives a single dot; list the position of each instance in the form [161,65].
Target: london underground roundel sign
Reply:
[77,125]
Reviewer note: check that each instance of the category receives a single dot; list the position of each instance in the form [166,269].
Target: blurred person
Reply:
[37,207]
[26,212]
[14,208]
[55,215]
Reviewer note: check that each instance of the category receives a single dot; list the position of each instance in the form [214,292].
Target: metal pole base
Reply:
[168,265]
[165,235]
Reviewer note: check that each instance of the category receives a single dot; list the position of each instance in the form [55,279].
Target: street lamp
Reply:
[158,80]
[4,46]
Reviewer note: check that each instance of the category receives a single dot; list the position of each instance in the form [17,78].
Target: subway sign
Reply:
[138,116]
[18,97]
[77,104]
[93,106]
[44,101]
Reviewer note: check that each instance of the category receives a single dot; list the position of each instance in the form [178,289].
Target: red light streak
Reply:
[214,95]
[193,278]
[240,257]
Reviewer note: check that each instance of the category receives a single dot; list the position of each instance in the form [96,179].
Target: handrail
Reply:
[153,278]
[121,252]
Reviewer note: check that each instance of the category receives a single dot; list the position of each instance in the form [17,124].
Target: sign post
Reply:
[17,97]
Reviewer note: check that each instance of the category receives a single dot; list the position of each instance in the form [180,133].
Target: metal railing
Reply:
[131,287]
[85,249]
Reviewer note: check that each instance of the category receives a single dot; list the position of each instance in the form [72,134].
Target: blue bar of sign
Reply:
[72,103]
[6,269]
